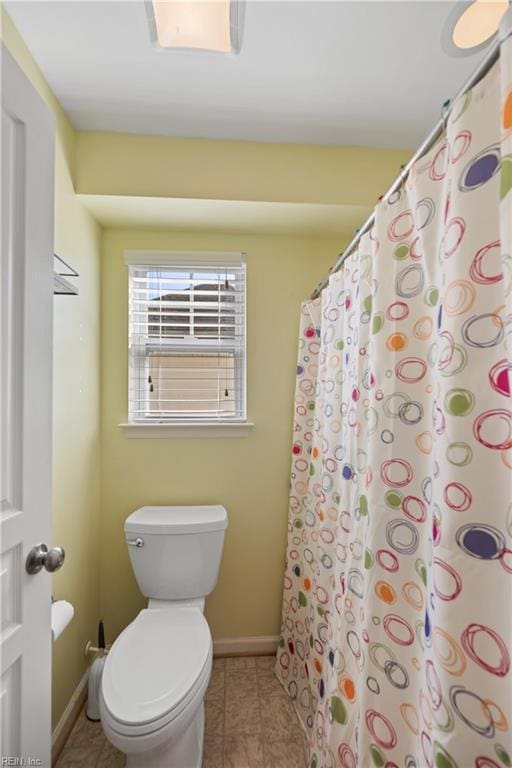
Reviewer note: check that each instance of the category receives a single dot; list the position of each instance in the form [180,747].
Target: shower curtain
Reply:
[397,609]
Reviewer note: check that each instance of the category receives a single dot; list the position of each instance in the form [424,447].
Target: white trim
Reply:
[188,429]
[185,258]
[69,717]
[26,277]
[260,645]
[144,338]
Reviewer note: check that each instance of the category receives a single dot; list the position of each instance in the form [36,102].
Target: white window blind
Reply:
[186,338]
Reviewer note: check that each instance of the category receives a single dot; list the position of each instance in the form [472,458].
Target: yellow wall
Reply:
[162,166]
[250,476]
[76,456]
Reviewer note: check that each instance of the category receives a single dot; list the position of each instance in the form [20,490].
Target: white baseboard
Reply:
[69,716]
[260,645]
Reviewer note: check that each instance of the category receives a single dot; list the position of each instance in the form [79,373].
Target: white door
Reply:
[26,317]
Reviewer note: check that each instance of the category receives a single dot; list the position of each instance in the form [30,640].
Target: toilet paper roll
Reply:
[62,613]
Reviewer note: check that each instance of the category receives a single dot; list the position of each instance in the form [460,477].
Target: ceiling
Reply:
[361,72]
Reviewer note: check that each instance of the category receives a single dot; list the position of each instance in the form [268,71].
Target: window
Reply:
[186,338]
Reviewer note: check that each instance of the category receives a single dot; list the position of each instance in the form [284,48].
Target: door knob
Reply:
[41,557]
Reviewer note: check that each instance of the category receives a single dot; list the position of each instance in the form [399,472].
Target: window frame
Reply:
[236,425]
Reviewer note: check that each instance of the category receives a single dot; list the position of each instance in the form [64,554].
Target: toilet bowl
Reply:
[158,669]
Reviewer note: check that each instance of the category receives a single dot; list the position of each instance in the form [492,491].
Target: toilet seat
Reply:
[155,669]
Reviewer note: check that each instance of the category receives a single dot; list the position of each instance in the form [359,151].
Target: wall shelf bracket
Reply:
[63,270]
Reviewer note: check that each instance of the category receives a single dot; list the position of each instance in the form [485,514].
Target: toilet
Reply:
[157,671]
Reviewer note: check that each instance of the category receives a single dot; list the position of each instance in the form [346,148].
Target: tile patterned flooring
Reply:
[250,723]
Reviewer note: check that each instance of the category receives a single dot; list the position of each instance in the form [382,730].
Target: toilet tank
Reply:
[176,551]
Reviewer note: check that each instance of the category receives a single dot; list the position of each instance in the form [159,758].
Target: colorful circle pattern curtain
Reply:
[397,611]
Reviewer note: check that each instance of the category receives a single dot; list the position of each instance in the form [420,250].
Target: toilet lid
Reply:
[154,664]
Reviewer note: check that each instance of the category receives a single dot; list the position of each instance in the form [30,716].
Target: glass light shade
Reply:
[211,25]
[478,23]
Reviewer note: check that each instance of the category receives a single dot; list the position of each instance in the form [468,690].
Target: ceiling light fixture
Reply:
[208,25]
[470,26]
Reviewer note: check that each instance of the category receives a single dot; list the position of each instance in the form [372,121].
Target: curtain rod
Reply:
[485,65]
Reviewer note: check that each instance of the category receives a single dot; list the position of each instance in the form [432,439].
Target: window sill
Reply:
[204,429]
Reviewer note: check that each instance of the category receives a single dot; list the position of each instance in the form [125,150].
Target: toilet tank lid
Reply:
[175,520]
